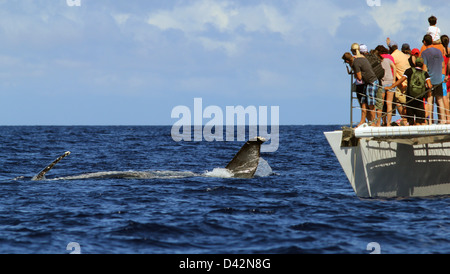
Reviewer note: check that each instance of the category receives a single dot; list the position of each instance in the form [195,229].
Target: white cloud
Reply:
[261,18]
[231,47]
[204,20]
[217,25]
[223,16]
[121,18]
[395,17]
[195,17]
[318,18]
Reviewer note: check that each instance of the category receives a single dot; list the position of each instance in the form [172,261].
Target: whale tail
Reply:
[245,162]
[41,175]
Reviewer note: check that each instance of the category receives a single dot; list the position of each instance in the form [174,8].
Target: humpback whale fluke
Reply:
[245,163]
[41,175]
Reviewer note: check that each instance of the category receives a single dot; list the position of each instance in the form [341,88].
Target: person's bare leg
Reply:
[429,109]
[363,114]
[447,109]
[441,111]
[389,98]
[371,114]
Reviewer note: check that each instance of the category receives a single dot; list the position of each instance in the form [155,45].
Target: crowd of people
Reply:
[411,82]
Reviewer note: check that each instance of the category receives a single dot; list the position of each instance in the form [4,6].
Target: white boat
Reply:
[394,162]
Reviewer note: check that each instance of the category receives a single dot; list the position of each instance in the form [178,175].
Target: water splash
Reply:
[219,173]
[264,169]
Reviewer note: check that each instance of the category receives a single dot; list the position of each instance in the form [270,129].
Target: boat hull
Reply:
[388,169]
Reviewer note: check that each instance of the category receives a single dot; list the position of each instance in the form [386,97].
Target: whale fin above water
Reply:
[245,162]
[41,175]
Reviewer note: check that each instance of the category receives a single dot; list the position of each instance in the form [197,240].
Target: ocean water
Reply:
[184,202]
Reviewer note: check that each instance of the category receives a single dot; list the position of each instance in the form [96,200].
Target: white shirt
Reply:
[435,32]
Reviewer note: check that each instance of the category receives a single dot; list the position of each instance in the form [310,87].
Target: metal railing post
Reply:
[351,100]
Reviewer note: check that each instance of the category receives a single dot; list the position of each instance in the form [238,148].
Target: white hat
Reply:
[363,48]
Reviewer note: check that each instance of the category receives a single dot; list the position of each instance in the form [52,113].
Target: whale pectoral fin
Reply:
[41,175]
[245,162]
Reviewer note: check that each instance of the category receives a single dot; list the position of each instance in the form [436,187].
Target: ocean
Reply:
[300,203]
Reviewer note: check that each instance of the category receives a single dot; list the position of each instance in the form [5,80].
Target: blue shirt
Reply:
[433,59]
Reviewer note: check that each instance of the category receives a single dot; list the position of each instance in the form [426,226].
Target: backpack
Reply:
[375,62]
[416,86]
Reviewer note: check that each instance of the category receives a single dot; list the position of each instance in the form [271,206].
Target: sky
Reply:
[117,62]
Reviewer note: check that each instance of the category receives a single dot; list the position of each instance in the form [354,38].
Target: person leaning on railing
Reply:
[363,71]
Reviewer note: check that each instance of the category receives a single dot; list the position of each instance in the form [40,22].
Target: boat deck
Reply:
[411,135]
[366,131]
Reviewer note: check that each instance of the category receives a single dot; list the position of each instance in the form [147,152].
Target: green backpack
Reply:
[417,85]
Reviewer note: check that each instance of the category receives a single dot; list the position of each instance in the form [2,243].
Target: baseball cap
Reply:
[419,61]
[405,46]
[415,52]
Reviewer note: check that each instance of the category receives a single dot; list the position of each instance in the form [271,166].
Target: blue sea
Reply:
[301,203]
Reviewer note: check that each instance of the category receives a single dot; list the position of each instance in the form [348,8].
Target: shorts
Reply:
[400,97]
[444,86]
[416,108]
[437,90]
[380,103]
[360,94]
[379,99]
[371,93]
